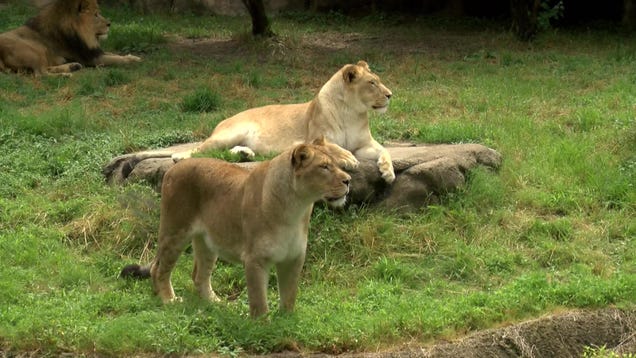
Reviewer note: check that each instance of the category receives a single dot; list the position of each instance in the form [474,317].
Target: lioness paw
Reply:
[243,151]
[175,299]
[183,155]
[350,162]
[344,158]
[388,176]
[132,58]
[74,66]
[386,170]
[213,297]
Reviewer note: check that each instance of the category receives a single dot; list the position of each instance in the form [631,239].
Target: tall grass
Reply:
[553,229]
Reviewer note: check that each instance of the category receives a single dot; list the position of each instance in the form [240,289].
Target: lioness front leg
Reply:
[385,164]
[345,158]
[257,274]
[109,59]
[288,274]
[64,69]
[377,152]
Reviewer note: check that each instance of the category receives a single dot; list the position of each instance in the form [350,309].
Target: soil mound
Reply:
[560,335]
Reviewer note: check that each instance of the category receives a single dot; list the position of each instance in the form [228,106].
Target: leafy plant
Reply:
[603,352]
[549,11]
[201,100]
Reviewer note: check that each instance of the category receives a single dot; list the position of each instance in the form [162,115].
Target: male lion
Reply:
[259,218]
[61,38]
[338,112]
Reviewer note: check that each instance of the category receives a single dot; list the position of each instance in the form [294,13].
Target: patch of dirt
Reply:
[310,46]
[212,48]
[316,47]
[560,335]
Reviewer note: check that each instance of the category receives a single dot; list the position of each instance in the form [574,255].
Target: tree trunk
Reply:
[629,14]
[524,18]
[260,23]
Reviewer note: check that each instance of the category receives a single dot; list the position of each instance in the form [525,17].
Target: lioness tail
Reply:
[135,271]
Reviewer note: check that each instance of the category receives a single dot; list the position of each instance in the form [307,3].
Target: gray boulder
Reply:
[423,172]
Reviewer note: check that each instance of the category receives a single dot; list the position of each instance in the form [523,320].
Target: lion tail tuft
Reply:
[135,271]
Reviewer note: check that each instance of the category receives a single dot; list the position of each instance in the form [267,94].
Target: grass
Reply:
[553,229]
[202,100]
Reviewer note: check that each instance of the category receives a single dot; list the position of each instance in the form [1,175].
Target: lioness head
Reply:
[367,89]
[318,175]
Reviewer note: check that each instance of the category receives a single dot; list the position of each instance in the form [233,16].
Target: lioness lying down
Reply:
[61,38]
[259,218]
[338,112]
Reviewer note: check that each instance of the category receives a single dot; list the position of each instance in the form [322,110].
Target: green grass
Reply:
[553,229]
[201,100]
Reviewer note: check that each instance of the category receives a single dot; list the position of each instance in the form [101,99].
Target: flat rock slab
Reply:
[423,172]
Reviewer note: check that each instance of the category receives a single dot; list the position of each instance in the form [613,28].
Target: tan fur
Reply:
[62,38]
[338,112]
[259,218]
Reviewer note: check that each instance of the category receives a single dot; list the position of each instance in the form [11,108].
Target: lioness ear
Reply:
[350,73]
[301,155]
[364,65]
[319,141]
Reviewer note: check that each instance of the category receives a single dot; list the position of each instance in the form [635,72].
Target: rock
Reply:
[423,172]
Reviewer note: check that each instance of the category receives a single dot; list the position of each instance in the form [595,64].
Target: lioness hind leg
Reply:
[224,139]
[109,59]
[204,264]
[22,56]
[161,284]
[169,250]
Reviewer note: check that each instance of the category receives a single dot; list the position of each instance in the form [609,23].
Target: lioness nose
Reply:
[346,182]
[388,95]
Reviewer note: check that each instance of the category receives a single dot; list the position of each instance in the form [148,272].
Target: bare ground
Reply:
[559,335]
[316,47]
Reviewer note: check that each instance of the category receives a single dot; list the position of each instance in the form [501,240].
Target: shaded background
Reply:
[526,17]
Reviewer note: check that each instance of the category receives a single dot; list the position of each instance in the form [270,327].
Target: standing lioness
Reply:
[259,218]
[338,112]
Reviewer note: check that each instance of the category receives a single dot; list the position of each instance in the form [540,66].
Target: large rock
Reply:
[423,172]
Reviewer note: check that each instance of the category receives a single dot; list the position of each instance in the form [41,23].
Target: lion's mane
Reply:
[58,22]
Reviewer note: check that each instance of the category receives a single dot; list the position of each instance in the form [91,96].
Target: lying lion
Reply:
[259,218]
[62,38]
[338,112]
